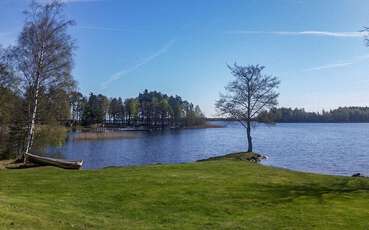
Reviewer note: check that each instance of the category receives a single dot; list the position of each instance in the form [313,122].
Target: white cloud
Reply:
[102,28]
[329,66]
[67,1]
[304,33]
[339,64]
[143,62]
[113,29]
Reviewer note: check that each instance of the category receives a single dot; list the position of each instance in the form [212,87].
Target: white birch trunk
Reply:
[33,122]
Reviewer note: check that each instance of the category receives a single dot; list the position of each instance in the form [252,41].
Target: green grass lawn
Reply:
[223,194]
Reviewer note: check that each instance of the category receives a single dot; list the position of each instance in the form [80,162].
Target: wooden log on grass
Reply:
[53,162]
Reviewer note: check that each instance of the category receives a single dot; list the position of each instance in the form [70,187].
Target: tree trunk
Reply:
[33,121]
[249,138]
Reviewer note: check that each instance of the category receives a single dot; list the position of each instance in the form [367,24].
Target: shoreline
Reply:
[205,126]
[298,122]
[239,156]
[233,191]
[4,163]
[248,157]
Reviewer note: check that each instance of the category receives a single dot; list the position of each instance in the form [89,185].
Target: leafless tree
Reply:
[44,55]
[248,95]
[365,32]
[8,77]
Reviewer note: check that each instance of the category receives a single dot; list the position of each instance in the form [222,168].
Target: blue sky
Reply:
[182,47]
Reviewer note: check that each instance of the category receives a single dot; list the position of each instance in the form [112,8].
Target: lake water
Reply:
[340,149]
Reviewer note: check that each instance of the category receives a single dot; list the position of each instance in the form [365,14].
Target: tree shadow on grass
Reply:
[282,193]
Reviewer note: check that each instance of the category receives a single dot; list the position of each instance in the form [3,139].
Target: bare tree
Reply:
[248,95]
[365,32]
[44,55]
[8,77]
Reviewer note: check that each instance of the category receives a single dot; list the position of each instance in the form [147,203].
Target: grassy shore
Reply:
[220,194]
[4,163]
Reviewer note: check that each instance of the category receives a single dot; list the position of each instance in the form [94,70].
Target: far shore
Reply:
[90,135]
[93,134]
[205,126]
[108,132]
[291,122]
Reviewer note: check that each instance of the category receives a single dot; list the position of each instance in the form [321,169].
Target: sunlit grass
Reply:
[222,194]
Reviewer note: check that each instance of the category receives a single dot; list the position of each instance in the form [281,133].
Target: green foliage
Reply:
[149,109]
[77,104]
[131,107]
[9,103]
[54,105]
[116,109]
[95,110]
[342,114]
[14,114]
[15,144]
[54,108]
[49,135]
[224,194]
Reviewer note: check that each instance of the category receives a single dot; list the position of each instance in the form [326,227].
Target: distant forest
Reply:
[352,114]
[149,109]
[59,108]
[340,115]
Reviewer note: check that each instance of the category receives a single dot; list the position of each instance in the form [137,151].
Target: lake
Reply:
[339,149]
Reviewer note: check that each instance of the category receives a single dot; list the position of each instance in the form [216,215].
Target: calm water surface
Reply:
[341,149]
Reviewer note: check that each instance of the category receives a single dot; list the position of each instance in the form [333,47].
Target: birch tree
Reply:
[44,56]
[249,94]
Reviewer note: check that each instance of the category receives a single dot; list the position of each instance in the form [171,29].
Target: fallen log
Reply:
[21,165]
[65,164]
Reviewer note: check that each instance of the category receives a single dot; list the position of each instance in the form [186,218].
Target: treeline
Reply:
[62,106]
[340,115]
[38,95]
[59,108]
[36,81]
[15,113]
[149,109]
